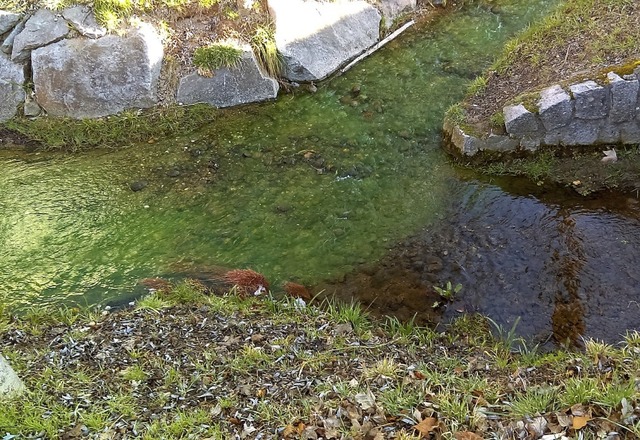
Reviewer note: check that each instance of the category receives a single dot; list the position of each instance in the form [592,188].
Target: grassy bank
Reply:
[583,39]
[182,363]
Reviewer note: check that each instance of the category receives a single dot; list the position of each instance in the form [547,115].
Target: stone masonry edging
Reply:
[586,113]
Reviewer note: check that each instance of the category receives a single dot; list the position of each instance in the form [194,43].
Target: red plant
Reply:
[157,284]
[297,291]
[247,281]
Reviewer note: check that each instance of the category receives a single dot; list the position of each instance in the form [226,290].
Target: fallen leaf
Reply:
[610,156]
[563,420]
[426,426]
[366,400]
[580,422]
[467,435]
[288,431]
[578,410]
[537,426]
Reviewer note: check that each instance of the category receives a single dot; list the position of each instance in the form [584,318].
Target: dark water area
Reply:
[563,264]
[346,190]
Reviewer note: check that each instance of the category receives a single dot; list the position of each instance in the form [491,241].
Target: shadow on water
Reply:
[565,264]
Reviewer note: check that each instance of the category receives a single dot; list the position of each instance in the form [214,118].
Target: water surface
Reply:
[327,188]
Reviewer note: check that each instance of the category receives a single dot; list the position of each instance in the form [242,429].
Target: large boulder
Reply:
[11,82]
[84,78]
[42,28]
[316,38]
[10,383]
[227,87]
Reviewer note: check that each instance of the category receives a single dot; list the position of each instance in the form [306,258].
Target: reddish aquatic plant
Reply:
[297,291]
[157,284]
[246,281]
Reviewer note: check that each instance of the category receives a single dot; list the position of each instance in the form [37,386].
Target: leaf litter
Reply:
[247,371]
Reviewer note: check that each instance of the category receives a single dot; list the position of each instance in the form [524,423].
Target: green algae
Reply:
[302,188]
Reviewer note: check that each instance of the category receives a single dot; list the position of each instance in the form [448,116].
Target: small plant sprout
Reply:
[448,291]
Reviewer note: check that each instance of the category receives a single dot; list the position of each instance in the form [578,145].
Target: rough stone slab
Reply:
[42,28]
[11,82]
[519,121]
[84,21]
[10,383]
[316,38]
[591,100]
[530,142]
[466,144]
[497,142]
[85,78]
[8,20]
[630,132]
[577,132]
[7,44]
[228,87]
[608,134]
[555,107]
[391,9]
[624,98]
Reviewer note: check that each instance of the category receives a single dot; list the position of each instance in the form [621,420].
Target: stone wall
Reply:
[585,113]
[79,70]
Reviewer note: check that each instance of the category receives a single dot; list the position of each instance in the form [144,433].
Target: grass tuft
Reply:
[217,55]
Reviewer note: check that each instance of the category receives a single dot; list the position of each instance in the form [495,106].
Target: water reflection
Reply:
[562,263]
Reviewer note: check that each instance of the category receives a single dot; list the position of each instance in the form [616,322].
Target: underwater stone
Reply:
[591,100]
[519,121]
[624,97]
[554,107]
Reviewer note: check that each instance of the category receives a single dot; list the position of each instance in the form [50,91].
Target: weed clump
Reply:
[246,281]
[216,56]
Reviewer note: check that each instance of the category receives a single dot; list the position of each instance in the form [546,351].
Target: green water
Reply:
[299,189]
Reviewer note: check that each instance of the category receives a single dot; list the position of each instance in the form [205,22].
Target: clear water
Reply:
[305,188]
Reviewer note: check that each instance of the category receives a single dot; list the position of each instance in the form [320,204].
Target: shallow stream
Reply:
[317,188]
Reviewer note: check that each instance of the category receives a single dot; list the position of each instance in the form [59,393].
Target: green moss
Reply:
[117,131]
[456,114]
[497,119]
